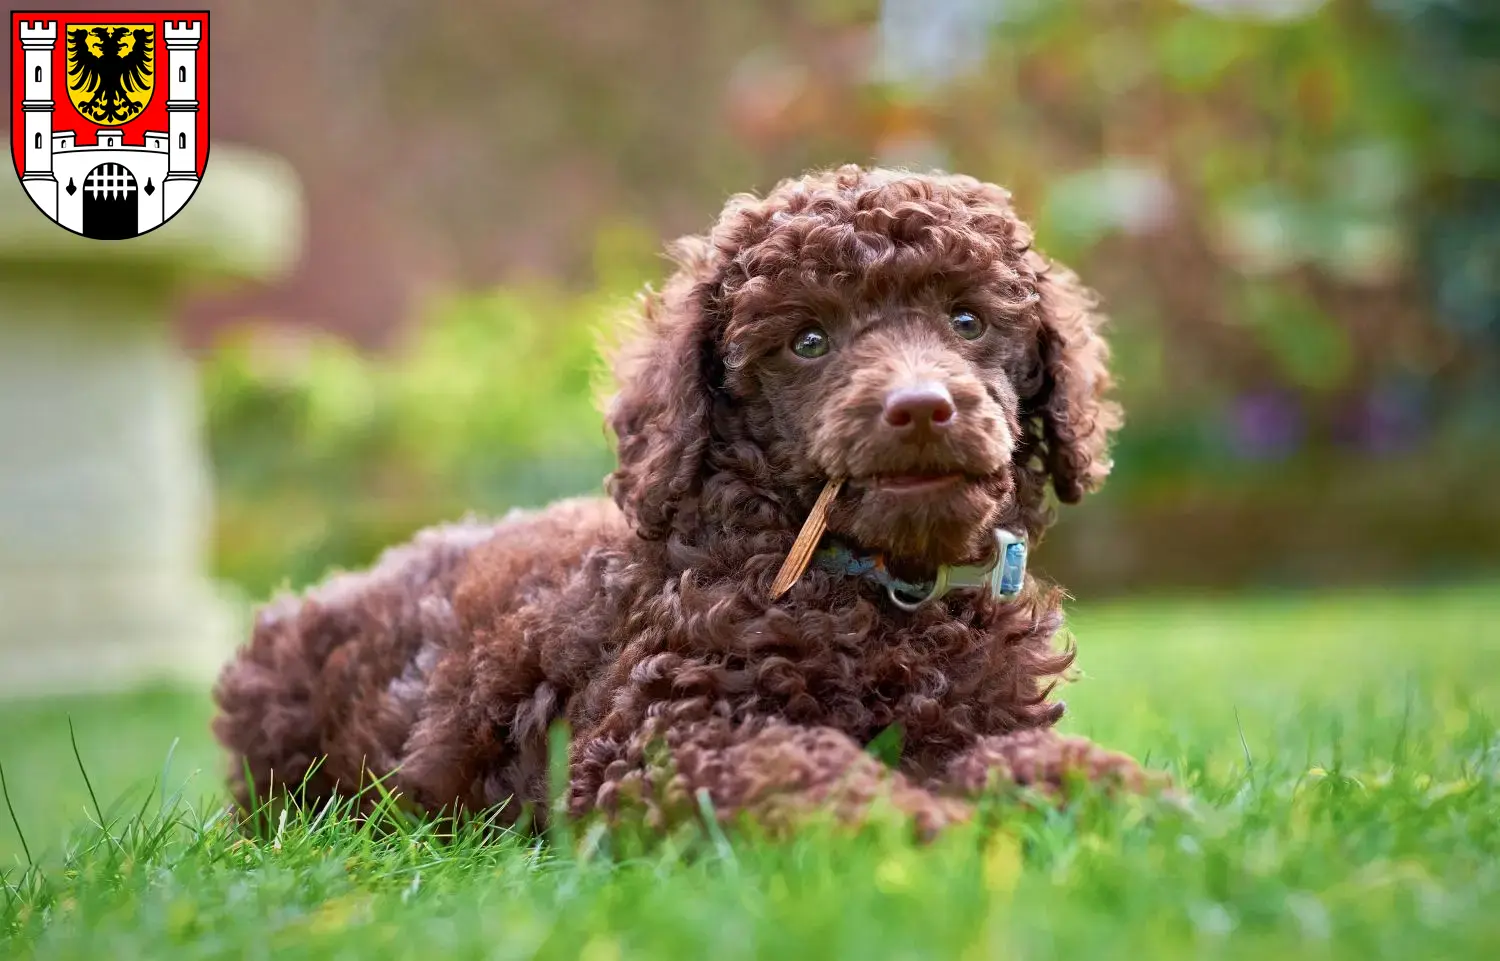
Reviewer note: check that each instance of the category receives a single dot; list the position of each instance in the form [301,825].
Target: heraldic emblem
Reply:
[109,116]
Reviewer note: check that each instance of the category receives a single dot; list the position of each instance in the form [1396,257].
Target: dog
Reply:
[886,336]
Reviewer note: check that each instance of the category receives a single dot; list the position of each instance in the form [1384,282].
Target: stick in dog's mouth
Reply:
[807,540]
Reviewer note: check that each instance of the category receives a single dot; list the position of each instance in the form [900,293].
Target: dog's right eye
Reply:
[967,326]
[810,343]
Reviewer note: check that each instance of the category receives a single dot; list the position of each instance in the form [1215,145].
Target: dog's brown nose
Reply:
[918,409]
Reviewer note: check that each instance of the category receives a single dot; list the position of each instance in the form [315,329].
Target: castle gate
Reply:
[110,203]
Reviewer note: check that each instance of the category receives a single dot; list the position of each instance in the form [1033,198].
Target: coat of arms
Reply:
[99,148]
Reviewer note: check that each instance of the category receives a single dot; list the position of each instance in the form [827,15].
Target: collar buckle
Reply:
[1003,576]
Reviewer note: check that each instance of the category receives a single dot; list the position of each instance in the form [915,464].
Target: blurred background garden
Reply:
[1291,207]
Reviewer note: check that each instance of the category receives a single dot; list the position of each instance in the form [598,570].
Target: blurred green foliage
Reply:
[323,456]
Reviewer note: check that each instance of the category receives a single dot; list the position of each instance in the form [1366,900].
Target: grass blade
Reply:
[1244,744]
[73,738]
[166,767]
[15,821]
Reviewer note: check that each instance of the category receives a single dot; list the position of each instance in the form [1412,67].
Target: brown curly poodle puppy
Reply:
[892,331]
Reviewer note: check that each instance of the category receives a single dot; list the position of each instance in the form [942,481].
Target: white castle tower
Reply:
[38,37]
[182,38]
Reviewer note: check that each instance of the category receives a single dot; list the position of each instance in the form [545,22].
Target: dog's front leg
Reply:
[773,773]
[1047,761]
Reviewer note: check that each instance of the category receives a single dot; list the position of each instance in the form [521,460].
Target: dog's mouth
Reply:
[920,515]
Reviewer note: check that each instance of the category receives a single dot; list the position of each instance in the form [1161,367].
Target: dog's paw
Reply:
[1053,765]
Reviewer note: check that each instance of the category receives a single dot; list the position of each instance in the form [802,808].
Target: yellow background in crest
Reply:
[142,97]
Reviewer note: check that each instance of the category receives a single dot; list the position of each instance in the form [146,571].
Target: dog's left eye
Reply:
[967,326]
[810,343]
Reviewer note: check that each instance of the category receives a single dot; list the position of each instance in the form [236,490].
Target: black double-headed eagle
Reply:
[112,74]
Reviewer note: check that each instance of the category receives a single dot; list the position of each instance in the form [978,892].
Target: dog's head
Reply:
[891,329]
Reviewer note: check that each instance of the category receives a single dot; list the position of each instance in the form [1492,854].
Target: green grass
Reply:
[1342,752]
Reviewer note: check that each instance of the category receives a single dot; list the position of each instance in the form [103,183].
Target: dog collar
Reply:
[1002,575]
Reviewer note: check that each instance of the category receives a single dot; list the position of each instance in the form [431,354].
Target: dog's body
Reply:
[891,330]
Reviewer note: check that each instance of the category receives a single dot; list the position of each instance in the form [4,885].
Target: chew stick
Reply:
[807,541]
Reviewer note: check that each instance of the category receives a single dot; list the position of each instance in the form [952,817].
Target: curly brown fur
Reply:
[646,623]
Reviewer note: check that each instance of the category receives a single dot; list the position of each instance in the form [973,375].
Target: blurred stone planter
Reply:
[105,494]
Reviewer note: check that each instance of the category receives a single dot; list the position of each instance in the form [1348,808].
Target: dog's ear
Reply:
[1071,408]
[660,415]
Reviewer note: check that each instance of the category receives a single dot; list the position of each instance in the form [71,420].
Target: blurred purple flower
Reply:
[1387,419]
[1266,425]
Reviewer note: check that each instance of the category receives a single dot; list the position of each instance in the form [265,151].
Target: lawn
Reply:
[1341,751]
